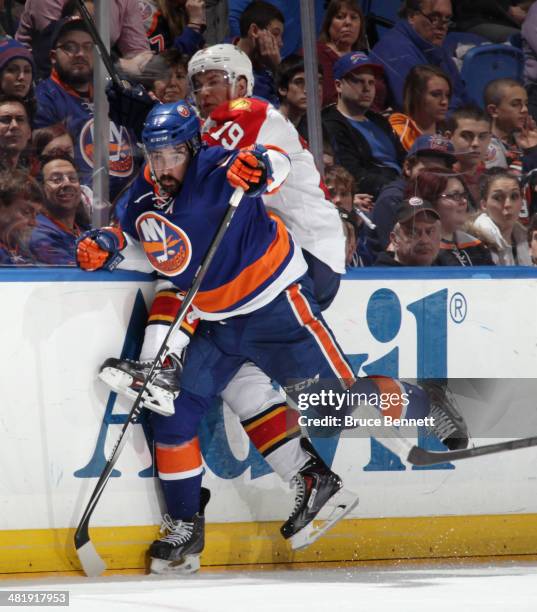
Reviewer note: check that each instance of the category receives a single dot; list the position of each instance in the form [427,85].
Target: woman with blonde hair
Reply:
[425,101]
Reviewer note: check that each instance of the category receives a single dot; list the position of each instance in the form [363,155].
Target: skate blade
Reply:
[342,503]
[155,399]
[189,565]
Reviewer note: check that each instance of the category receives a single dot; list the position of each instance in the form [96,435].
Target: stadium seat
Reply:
[488,62]
[380,15]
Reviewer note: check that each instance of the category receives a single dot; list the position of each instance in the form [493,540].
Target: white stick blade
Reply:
[91,562]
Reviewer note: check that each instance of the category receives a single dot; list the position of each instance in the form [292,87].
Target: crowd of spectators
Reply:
[420,175]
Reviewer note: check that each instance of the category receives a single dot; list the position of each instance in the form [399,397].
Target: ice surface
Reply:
[501,587]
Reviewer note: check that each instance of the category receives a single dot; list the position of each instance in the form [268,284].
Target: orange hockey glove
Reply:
[100,249]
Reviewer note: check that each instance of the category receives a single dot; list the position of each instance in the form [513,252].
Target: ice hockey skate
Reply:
[317,488]
[126,377]
[178,552]
[449,426]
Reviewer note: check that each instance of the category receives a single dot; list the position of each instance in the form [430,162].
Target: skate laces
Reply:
[299,483]
[179,531]
[447,420]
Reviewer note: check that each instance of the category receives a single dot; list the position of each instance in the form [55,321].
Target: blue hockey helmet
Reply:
[171,124]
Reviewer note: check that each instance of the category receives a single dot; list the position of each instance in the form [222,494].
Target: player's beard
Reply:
[169,184]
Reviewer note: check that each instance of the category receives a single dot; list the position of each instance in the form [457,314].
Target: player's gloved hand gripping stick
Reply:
[90,560]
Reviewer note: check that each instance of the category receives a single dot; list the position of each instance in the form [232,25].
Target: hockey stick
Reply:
[420,456]
[91,562]
[103,51]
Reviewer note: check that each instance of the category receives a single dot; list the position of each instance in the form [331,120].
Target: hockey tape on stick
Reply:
[91,562]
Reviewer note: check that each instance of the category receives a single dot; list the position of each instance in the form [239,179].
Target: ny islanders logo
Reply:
[121,149]
[167,247]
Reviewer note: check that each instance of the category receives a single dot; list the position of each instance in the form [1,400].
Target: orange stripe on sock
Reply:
[394,388]
[318,330]
[182,458]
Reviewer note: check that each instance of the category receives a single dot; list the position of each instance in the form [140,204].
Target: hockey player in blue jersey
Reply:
[255,304]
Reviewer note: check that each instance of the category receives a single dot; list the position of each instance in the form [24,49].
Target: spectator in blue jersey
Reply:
[261,27]
[418,38]
[363,141]
[68,96]
[20,200]
[63,217]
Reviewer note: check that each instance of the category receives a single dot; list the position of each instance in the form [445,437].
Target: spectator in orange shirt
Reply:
[426,97]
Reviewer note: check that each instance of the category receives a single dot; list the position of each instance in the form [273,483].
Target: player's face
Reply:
[503,202]
[73,58]
[14,127]
[417,242]
[62,186]
[17,78]
[211,88]
[169,166]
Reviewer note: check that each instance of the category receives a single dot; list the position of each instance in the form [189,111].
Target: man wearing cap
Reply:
[67,96]
[363,141]
[427,150]
[415,239]
[418,38]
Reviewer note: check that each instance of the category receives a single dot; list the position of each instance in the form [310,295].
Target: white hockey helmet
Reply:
[227,58]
